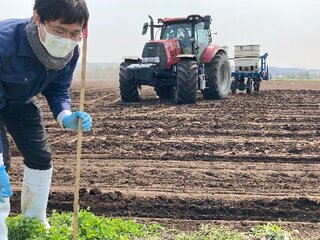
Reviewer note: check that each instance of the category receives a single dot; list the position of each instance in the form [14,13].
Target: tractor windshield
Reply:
[178,30]
[181,31]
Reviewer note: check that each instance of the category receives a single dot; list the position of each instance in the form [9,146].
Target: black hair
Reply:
[70,11]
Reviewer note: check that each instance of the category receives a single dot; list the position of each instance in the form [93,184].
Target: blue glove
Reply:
[5,187]
[72,121]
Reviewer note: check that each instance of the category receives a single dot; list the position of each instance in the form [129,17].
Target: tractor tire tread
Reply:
[128,91]
[214,91]
[187,81]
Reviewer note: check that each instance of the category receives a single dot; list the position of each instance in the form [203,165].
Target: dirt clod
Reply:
[95,191]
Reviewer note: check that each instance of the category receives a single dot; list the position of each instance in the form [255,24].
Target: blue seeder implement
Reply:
[248,78]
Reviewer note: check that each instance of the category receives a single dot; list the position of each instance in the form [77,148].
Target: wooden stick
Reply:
[79,143]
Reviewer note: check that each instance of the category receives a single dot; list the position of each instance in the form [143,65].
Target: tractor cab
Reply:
[192,32]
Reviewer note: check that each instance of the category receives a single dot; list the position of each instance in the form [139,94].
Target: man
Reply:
[185,39]
[37,55]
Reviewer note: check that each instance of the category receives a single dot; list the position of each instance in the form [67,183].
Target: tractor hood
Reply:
[162,52]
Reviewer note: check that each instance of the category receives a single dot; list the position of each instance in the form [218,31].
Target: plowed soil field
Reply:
[234,162]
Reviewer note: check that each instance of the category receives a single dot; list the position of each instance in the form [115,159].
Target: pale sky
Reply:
[287,29]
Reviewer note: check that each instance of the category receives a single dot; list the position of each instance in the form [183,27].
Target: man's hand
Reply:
[72,121]
[5,187]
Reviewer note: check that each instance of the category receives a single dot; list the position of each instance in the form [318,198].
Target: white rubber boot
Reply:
[35,193]
[4,213]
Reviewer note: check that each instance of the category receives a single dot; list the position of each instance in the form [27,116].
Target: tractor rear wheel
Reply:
[128,90]
[165,92]
[218,74]
[187,81]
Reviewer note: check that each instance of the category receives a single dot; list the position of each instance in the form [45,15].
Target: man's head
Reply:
[63,18]
[181,34]
[60,24]
[66,11]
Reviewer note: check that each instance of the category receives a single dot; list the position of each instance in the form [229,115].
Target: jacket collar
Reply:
[25,49]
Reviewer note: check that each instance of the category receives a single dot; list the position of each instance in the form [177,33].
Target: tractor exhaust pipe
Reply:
[151,28]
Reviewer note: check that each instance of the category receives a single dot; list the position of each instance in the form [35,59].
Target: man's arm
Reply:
[57,92]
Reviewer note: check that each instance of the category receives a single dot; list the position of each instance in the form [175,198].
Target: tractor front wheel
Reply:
[218,74]
[187,81]
[128,89]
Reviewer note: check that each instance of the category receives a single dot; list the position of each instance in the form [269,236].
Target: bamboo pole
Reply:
[79,142]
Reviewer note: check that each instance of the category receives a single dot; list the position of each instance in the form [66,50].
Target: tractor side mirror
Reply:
[206,25]
[145,28]
[207,22]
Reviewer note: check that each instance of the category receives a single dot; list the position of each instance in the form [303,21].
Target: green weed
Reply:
[91,227]
[21,228]
[271,231]
[213,233]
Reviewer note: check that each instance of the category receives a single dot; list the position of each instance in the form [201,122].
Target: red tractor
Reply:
[181,62]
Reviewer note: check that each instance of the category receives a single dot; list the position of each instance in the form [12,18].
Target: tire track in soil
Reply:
[243,158]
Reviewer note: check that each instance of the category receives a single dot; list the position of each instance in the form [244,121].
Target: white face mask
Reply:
[57,46]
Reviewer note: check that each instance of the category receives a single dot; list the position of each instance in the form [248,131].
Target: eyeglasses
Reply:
[60,32]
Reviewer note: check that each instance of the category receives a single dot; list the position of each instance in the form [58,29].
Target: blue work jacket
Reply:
[23,76]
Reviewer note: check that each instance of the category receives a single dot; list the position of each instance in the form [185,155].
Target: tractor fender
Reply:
[210,52]
[187,56]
